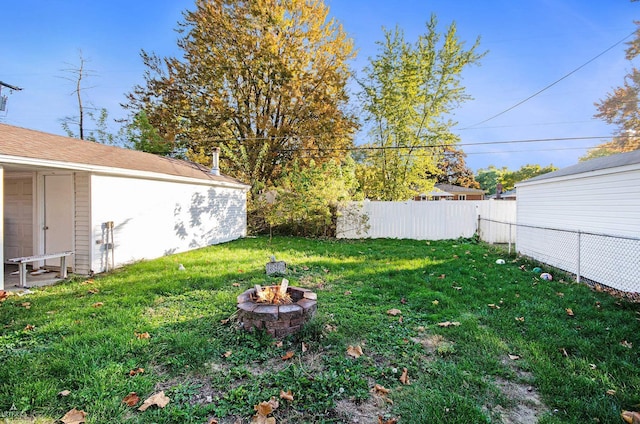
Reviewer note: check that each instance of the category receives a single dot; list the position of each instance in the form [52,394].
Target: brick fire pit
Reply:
[277,320]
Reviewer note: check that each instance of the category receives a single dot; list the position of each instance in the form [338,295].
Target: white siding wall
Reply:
[424,220]
[605,202]
[157,218]
[82,223]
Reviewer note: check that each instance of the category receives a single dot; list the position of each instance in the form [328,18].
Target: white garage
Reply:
[585,219]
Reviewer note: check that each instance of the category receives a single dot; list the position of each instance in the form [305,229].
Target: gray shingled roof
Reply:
[613,161]
[457,189]
[41,146]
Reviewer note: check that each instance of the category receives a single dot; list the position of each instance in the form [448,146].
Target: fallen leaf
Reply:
[400,320]
[355,351]
[330,328]
[403,301]
[286,395]
[593,366]
[631,417]
[288,355]
[325,270]
[514,357]
[212,421]
[404,378]
[305,268]
[521,319]
[380,389]
[29,327]
[236,284]
[159,399]
[227,353]
[448,324]
[278,343]
[93,291]
[225,321]
[442,276]
[611,392]
[26,305]
[144,335]
[493,306]
[262,410]
[435,302]
[569,312]
[131,399]
[87,282]
[626,344]
[389,421]
[74,417]
[136,371]
[98,305]
[457,288]
[564,352]
[348,292]
[304,347]
[64,393]
[559,294]
[394,312]
[3,295]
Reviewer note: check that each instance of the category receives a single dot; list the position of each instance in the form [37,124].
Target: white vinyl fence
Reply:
[440,220]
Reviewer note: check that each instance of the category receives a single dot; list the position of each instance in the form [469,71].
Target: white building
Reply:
[585,219]
[60,194]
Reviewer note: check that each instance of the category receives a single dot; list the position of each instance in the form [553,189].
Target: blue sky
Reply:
[530,43]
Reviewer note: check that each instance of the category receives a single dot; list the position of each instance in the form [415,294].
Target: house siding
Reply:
[607,204]
[581,215]
[18,216]
[161,218]
[82,223]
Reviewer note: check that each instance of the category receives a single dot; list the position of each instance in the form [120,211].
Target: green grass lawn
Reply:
[517,349]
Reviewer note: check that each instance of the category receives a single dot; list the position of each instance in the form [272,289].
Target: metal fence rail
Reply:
[610,260]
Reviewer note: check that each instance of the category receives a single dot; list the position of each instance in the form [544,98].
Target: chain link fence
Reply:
[612,261]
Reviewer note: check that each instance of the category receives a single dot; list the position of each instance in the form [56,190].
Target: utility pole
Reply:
[3,99]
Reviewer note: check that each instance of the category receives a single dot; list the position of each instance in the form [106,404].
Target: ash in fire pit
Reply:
[279,310]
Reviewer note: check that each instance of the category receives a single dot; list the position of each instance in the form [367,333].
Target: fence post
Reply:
[510,239]
[579,249]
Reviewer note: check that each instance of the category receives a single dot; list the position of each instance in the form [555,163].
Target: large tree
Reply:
[408,91]
[265,79]
[452,169]
[622,109]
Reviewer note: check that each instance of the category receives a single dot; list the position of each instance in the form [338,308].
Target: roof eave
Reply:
[121,172]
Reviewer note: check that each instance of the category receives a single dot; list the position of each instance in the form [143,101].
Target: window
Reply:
[462,197]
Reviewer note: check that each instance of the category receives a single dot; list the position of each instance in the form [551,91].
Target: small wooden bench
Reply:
[22,264]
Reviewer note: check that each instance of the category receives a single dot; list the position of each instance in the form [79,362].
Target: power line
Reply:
[550,85]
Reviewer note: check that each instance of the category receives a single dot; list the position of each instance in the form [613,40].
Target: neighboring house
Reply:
[60,194]
[435,194]
[461,193]
[585,219]
[507,195]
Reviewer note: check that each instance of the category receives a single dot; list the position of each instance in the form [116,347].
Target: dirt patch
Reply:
[364,412]
[528,407]
[434,343]
[525,405]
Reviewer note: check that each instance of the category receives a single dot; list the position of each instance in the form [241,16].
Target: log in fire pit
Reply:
[279,310]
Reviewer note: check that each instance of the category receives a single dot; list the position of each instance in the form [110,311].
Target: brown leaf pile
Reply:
[263,410]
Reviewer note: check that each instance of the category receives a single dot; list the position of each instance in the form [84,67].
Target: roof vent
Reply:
[215,166]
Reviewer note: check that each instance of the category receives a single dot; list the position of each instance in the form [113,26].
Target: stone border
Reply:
[277,320]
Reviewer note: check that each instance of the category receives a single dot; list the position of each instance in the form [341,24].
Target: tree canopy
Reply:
[622,109]
[264,79]
[408,90]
